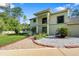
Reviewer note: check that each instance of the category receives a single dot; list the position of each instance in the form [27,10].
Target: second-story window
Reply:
[44,20]
[60,19]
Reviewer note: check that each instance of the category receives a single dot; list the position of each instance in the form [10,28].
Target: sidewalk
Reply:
[41,52]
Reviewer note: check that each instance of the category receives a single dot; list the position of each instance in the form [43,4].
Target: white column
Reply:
[48,15]
[37,25]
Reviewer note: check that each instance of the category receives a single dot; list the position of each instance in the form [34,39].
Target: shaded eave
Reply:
[43,11]
[32,18]
[62,11]
[48,10]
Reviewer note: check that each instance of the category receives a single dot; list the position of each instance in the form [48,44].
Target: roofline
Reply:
[49,10]
[60,11]
[32,18]
[43,11]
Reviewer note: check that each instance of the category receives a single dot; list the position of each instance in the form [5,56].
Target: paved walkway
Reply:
[23,44]
[41,52]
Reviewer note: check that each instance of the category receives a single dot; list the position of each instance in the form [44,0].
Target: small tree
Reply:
[15,25]
[17,12]
[1,25]
[62,32]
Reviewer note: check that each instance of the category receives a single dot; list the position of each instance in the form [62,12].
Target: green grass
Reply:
[7,39]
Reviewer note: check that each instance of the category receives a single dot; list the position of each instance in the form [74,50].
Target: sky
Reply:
[30,8]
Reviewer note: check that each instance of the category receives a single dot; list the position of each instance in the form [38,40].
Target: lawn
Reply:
[7,39]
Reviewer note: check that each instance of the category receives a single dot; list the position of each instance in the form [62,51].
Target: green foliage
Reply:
[63,32]
[9,19]
[1,25]
[40,35]
[25,26]
[24,17]
[17,12]
[75,12]
[8,23]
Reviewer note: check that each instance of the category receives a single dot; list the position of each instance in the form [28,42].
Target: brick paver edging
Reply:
[71,46]
[33,40]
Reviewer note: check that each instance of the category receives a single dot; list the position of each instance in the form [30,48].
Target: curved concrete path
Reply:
[22,44]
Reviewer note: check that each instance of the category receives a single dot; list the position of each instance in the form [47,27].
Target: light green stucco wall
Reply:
[53,26]
[73,30]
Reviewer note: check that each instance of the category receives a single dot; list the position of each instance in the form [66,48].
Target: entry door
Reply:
[44,29]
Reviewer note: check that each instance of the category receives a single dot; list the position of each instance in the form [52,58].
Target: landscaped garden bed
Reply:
[39,36]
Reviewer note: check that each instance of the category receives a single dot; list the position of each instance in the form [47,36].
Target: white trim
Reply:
[48,23]
[37,25]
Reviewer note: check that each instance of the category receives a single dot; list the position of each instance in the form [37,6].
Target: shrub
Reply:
[62,32]
[16,31]
[40,35]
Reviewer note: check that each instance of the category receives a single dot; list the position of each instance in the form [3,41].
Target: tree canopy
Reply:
[75,12]
[10,19]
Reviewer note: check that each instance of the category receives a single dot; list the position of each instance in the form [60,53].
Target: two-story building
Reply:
[48,22]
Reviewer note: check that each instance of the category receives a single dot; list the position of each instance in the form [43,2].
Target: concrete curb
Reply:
[53,46]
[33,40]
[71,46]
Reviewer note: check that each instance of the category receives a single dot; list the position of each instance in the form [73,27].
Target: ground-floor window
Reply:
[33,30]
[44,29]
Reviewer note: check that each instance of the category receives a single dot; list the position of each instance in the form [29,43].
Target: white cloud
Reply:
[1,10]
[68,5]
[76,4]
[3,4]
[7,4]
[12,5]
[59,8]
[71,6]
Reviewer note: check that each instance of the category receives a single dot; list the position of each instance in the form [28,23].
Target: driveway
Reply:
[22,44]
[59,42]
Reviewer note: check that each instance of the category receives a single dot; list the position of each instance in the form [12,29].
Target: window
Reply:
[60,19]
[44,20]
[44,29]
[34,20]
[33,30]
